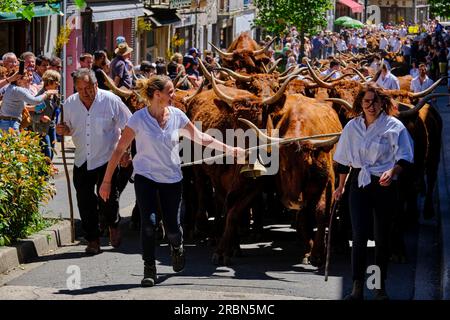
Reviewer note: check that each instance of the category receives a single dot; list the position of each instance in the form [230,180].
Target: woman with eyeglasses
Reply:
[376,146]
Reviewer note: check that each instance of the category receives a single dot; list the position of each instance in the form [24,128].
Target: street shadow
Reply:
[97,289]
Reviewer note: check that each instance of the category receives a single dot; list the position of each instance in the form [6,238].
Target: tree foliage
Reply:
[25,9]
[276,16]
[440,8]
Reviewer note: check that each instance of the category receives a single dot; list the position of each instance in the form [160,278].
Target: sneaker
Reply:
[178,258]
[93,247]
[149,279]
[115,237]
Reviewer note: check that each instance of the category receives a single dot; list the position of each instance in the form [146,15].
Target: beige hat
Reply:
[123,49]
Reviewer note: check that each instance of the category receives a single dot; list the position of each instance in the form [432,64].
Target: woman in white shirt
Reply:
[376,146]
[157,167]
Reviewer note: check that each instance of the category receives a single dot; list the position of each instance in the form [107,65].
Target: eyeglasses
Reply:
[369,102]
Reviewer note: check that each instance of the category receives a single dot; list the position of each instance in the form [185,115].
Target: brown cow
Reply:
[305,179]
[244,54]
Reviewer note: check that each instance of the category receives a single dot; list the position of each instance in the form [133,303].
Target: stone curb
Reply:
[37,245]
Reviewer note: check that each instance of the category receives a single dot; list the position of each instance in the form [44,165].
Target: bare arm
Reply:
[124,142]
[191,132]
[116,80]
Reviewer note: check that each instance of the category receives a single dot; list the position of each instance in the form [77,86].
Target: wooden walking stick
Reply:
[69,190]
[333,212]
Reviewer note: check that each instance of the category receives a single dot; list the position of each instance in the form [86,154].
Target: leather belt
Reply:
[9,118]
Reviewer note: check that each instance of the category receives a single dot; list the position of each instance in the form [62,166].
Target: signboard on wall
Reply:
[373,14]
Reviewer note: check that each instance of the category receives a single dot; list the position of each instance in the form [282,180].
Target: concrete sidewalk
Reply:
[443,193]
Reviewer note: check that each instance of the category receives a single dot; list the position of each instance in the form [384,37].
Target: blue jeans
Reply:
[372,206]
[46,146]
[6,124]
[170,195]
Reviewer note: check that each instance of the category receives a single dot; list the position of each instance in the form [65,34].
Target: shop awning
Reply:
[116,10]
[355,6]
[40,10]
[164,17]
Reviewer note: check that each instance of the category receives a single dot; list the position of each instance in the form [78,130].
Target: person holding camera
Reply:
[16,96]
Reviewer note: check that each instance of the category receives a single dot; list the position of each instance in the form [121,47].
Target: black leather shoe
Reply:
[149,276]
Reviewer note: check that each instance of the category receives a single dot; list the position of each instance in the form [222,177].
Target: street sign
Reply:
[177,4]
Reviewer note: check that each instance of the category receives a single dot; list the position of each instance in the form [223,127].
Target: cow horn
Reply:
[313,139]
[125,93]
[294,73]
[266,47]
[221,53]
[319,81]
[274,66]
[264,67]
[291,69]
[420,104]
[180,82]
[343,76]
[236,75]
[427,91]
[342,102]
[330,75]
[323,143]
[361,76]
[280,91]
[229,100]
[188,99]
[259,133]
[177,78]
[206,72]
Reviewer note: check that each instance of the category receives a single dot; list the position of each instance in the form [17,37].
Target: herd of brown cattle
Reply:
[247,87]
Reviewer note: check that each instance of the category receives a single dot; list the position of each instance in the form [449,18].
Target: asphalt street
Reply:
[269,269]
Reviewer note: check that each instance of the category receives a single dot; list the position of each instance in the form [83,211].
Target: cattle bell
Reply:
[253,170]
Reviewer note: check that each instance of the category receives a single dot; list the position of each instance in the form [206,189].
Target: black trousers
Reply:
[375,206]
[87,184]
[170,195]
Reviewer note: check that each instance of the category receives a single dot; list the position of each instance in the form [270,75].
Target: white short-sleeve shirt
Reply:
[95,132]
[157,153]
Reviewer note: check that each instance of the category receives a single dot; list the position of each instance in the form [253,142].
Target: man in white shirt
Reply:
[387,80]
[355,43]
[396,45]
[383,43]
[422,82]
[94,118]
[334,66]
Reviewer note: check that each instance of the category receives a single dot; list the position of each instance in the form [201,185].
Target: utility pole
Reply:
[366,3]
[197,4]
[196,12]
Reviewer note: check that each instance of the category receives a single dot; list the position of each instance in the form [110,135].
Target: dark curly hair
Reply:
[381,95]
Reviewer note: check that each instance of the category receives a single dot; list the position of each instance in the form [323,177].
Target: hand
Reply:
[386,178]
[125,161]
[105,190]
[337,195]
[45,119]
[16,76]
[62,129]
[236,151]
[50,93]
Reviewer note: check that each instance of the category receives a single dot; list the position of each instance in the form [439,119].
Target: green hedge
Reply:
[24,184]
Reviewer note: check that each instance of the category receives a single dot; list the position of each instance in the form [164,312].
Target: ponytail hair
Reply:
[147,87]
